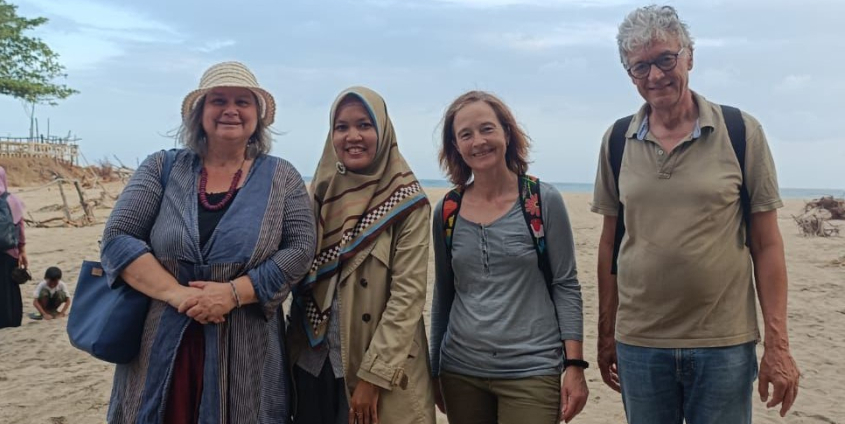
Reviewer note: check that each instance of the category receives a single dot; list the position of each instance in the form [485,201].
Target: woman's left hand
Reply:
[23,261]
[573,393]
[215,302]
[363,408]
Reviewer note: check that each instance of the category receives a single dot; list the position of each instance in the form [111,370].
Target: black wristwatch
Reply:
[580,363]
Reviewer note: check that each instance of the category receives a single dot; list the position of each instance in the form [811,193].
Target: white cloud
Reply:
[793,83]
[79,51]
[809,162]
[750,4]
[215,45]
[100,15]
[461,62]
[547,3]
[99,31]
[720,42]
[569,35]
[720,77]
[556,65]
[567,64]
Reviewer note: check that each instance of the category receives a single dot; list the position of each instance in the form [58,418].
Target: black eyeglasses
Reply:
[665,62]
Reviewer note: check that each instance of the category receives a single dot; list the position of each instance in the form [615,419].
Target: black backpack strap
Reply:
[531,204]
[616,148]
[736,132]
[449,216]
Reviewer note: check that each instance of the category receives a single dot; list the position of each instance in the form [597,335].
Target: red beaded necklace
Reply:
[229,194]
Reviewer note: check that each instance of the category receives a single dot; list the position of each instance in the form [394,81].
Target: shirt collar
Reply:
[643,130]
[706,118]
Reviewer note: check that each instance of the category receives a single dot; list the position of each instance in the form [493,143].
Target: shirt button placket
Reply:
[661,161]
[485,253]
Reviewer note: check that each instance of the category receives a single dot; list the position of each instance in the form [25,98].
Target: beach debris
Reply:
[836,207]
[67,207]
[815,220]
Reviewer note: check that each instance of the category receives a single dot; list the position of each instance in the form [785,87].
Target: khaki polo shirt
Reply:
[684,273]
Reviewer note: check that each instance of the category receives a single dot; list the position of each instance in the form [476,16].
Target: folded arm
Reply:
[272,280]
[126,255]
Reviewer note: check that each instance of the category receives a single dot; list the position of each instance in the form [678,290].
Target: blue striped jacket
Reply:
[267,233]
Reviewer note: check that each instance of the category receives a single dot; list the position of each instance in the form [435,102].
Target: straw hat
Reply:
[231,74]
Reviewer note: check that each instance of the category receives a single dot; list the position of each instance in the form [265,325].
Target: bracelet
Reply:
[235,294]
[580,363]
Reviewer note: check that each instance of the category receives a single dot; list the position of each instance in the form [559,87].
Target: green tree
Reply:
[28,67]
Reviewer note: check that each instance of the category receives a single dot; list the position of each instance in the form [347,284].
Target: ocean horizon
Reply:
[786,193]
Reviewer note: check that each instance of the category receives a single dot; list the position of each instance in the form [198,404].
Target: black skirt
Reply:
[11,305]
[320,400]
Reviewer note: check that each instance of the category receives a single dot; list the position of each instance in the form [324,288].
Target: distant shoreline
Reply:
[786,193]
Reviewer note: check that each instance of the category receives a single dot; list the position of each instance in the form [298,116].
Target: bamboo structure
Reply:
[61,149]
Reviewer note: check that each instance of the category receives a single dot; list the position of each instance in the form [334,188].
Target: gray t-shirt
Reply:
[493,315]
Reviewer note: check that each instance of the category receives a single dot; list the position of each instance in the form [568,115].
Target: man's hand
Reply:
[778,368]
[573,393]
[607,362]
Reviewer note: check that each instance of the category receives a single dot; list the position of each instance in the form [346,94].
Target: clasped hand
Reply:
[205,301]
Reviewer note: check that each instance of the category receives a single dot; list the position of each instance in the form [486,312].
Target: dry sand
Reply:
[45,380]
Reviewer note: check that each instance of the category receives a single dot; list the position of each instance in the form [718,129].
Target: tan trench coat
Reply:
[382,294]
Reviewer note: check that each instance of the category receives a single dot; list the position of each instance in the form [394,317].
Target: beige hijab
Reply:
[352,209]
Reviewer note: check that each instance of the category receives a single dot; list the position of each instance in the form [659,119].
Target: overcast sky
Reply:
[554,62]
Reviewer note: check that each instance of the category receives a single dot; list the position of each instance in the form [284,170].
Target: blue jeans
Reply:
[699,385]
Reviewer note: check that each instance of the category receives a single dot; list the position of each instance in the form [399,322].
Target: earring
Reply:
[341,169]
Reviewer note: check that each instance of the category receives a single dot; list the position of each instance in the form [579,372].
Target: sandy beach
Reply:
[43,379]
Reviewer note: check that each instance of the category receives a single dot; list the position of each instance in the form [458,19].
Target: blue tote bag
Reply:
[105,322]
[108,322]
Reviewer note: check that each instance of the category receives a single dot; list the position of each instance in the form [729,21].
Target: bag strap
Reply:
[531,204]
[164,177]
[449,215]
[616,151]
[736,132]
[169,157]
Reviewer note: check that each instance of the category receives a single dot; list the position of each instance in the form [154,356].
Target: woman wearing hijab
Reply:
[11,209]
[217,249]
[357,337]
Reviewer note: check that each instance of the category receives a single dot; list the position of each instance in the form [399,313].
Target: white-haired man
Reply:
[689,195]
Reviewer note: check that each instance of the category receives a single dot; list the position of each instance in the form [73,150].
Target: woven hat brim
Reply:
[266,101]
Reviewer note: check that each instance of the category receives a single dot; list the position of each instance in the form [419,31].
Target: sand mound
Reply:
[28,172]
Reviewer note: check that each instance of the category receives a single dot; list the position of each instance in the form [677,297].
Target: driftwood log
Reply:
[815,220]
[85,205]
[836,207]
